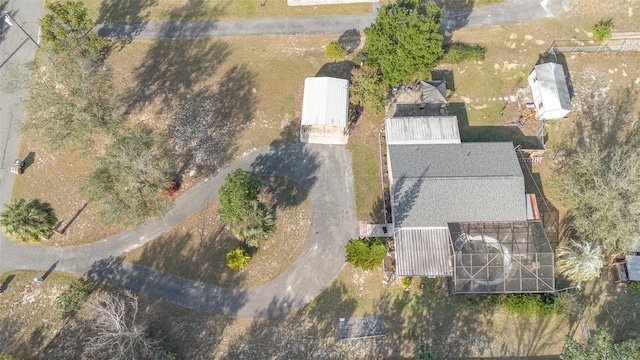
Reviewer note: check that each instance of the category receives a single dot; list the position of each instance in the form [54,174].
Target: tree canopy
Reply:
[73,101]
[405,40]
[67,26]
[240,188]
[27,220]
[129,181]
[250,220]
[368,89]
[580,261]
[600,347]
[599,169]
[366,254]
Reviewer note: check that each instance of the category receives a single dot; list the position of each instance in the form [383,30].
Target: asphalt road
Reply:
[509,12]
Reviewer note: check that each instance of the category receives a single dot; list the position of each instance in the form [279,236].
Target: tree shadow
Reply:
[340,70]
[492,133]
[406,192]
[167,287]
[175,81]
[6,282]
[350,40]
[451,326]
[605,120]
[312,330]
[199,255]
[455,13]
[297,162]
[124,20]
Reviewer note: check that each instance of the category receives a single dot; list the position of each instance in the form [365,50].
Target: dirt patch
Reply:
[196,248]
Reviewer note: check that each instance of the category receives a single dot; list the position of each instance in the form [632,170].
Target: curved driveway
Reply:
[324,170]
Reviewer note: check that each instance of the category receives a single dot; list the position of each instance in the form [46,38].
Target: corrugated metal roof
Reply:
[633,267]
[423,252]
[422,130]
[325,102]
[549,88]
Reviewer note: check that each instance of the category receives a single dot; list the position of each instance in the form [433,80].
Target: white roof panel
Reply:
[325,102]
[422,130]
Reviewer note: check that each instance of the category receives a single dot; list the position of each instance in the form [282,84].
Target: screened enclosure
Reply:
[505,257]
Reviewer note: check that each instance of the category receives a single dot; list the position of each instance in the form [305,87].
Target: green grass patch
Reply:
[365,152]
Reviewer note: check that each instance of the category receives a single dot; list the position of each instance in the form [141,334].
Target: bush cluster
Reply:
[74,297]
[238,258]
[335,51]
[366,254]
[458,52]
[602,30]
[532,304]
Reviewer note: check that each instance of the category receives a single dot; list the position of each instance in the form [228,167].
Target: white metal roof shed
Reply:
[550,91]
[325,102]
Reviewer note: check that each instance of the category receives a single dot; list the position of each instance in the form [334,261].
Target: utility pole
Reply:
[11,21]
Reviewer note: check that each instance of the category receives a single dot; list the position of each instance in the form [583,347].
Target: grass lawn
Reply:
[171,10]
[363,145]
[196,249]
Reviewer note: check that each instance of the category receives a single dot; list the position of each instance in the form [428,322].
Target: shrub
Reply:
[602,30]
[335,51]
[529,304]
[458,52]
[406,282]
[366,254]
[635,287]
[238,258]
[74,297]
[368,89]
[580,261]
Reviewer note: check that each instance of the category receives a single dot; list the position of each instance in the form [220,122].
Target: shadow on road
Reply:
[295,162]
[124,20]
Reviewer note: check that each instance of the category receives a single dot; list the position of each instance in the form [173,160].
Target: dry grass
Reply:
[229,95]
[174,10]
[196,248]
[457,5]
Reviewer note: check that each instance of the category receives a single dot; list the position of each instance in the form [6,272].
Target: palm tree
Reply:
[580,261]
[258,223]
[238,258]
[27,221]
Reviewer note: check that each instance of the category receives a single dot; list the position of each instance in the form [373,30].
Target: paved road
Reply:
[510,12]
[324,170]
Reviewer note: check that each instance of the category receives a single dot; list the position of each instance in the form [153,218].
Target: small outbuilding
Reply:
[550,91]
[325,111]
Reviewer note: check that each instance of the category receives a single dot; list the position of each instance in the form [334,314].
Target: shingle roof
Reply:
[325,101]
[437,184]
[422,130]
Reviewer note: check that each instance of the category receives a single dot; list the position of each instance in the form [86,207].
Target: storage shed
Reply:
[325,111]
[550,91]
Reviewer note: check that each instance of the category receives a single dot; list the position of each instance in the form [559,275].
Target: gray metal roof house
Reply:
[325,111]
[436,183]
